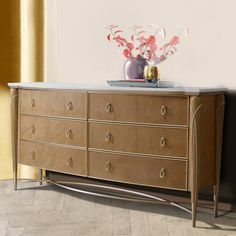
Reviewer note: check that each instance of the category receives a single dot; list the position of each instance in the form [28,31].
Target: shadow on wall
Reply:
[228,164]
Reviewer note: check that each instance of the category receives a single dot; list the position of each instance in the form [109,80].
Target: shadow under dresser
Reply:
[166,138]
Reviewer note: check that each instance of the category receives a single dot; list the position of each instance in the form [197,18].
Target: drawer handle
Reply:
[162,173]
[69,106]
[69,134]
[163,142]
[108,137]
[108,167]
[32,102]
[69,162]
[163,110]
[32,155]
[108,107]
[33,129]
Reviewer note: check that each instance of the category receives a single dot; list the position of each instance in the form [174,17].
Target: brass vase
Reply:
[151,73]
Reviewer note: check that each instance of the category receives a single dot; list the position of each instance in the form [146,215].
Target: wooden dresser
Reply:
[165,138]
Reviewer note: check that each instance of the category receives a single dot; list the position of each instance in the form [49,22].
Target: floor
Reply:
[49,210]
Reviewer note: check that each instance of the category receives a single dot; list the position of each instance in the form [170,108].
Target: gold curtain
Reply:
[21,60]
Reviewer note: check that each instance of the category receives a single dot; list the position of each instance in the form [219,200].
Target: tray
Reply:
[142,83]
[133,83]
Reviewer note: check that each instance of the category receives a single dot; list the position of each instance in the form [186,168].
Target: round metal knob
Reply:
[108,107]
[162,173]
[108,167]
[32,102]
[163,142]
[32,155]
[108,137]
[69,106]
[33,129]
[69,134]
[69,162]
[163,110]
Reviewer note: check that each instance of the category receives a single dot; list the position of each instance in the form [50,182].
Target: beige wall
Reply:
[77,50]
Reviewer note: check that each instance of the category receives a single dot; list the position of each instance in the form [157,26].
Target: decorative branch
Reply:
[147,47]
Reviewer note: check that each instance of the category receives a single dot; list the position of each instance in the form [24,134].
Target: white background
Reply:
[77,49]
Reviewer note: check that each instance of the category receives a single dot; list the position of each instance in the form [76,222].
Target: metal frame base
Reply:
[118,193]
[115,193]
[111,192]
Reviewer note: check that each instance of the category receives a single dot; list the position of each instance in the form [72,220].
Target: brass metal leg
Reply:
[193,214]
[216,196]
[40,176]
[14,132]
[194,197]
[15,178]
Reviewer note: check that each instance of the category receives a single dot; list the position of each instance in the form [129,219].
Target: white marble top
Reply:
[173,88]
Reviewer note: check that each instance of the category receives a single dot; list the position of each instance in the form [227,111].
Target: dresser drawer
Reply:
[48,157]
[46,129]
[139,108]
[139,139]
[54,103]
[138,170]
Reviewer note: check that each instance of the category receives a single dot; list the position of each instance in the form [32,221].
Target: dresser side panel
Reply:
[202,161]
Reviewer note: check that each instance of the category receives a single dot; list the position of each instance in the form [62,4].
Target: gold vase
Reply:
[151,73]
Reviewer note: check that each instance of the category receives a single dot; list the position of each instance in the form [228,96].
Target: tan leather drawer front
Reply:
[138,170]
[45,129]
[139,139]
[54,103]
[139,108]
[65,160]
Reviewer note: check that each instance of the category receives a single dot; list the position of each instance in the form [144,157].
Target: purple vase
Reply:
[133,68]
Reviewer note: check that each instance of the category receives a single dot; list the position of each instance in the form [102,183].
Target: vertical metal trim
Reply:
[14,132]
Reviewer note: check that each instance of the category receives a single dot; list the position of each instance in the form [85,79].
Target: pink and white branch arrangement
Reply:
[143,43]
